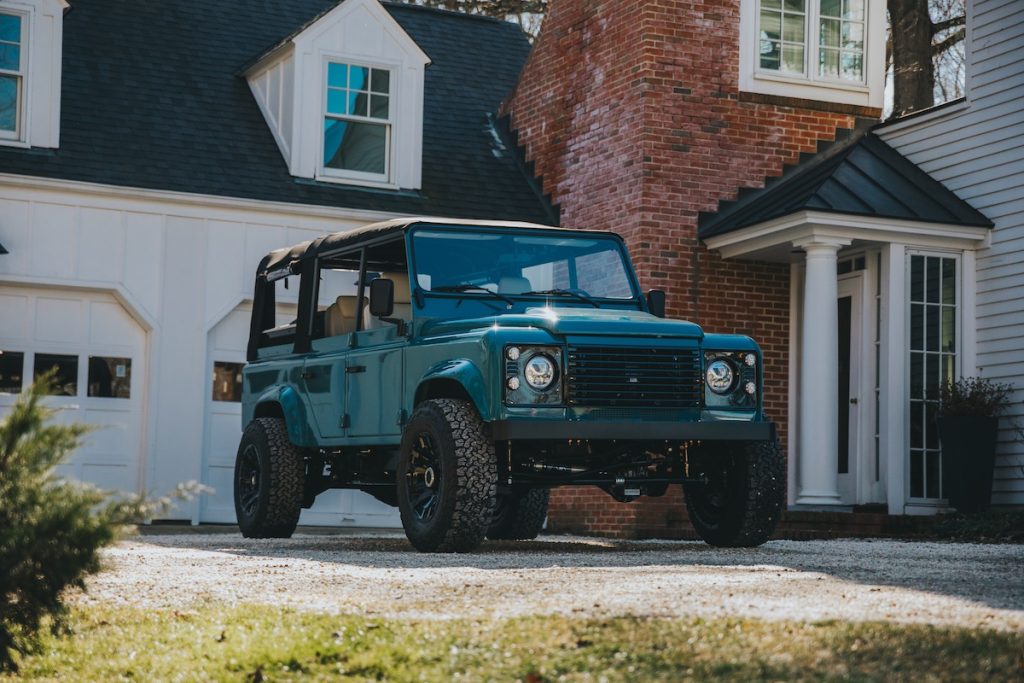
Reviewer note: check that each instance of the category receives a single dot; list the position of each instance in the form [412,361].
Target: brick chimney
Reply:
[632,114]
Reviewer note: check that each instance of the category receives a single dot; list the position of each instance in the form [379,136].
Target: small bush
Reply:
[974,396]
[51,529]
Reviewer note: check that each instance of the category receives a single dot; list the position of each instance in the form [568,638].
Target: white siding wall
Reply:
[178,263]
[977,150]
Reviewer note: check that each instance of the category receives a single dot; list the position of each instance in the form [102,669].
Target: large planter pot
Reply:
[968,460]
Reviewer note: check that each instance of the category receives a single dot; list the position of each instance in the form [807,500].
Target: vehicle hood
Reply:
[575,321]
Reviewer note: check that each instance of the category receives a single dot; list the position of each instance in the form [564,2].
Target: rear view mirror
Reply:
[656,302]
[382,297]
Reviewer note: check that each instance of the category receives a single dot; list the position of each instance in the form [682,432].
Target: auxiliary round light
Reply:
[750,360]
[513,383]
[512,352]
[720,376]
[539,372]
[750,388]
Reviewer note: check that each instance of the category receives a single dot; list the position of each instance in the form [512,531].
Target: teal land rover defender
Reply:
[460,370]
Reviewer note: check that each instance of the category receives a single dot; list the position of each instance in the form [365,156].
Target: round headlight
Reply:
[540,372]
[720,376]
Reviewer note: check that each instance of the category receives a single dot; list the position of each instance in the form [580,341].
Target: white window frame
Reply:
[327,173]
[19,135]
[812,21]
[962,294]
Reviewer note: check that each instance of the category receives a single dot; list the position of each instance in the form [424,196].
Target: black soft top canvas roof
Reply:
[283,259]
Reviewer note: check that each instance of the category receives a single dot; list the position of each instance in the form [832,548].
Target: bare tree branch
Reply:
[949,41]
[946,24]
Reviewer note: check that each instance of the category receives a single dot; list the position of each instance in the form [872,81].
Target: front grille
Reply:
[633,377]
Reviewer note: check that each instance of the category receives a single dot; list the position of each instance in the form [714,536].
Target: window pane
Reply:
[948,281]
[853,10]
[771,25]
[65,382]
[932,318]
[770,53]
[774,4]
[10,28]
[793,28]
[932,474]
[9,103]
[831,8]
[358,78]
[828,63]
[355,146]
[916,424]
[110,377]
[916,474]
[853,36]
[917,278]
[794,5]
[829,33]
[11,365]
[336,101]
[793,58]
[337,75]
[917,327]
[381,81]
[10,57]
[916,375]
[932,267]
[379,106]
[227,381]
[852,66]
[948,329]
[358,103]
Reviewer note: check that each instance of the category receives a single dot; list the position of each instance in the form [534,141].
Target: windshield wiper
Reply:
[472,288]
[565,292]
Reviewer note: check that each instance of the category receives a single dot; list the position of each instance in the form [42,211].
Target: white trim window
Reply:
[933,326]
[358,120]
[13,68]
[817,40]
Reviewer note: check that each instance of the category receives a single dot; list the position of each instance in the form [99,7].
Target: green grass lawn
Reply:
[268,644]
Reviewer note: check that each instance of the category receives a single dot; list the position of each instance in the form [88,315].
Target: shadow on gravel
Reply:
[987,574]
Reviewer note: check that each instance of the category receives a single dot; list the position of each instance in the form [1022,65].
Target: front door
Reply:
[848,362]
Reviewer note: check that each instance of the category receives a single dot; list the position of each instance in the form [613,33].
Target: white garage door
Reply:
[223,430]
[99,352]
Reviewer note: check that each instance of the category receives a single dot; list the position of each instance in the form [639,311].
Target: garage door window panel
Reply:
[65,379]
[110,377]
[12,372]
[227,381]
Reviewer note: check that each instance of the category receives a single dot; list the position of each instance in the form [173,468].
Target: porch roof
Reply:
[858,175]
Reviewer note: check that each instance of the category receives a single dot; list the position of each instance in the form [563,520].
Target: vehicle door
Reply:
[331,340]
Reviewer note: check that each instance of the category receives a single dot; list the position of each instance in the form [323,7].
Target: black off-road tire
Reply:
[519,515]
[466,483]
[741,504]
[270,506]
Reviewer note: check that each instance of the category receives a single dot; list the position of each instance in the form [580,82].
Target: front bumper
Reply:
[596,430]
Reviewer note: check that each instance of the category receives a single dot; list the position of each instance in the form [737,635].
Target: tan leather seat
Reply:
[403,301]
[340,317]
[511,284]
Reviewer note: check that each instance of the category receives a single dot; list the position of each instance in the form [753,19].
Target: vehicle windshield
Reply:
[576,267]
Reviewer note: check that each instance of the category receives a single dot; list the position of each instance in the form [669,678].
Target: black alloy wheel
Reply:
[424,477]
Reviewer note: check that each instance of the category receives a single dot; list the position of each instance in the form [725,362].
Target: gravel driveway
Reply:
[940,583]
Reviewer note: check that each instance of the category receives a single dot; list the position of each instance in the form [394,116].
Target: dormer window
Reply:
[838,53]
[829,50]
[343,98]
[12,74]
[357,122]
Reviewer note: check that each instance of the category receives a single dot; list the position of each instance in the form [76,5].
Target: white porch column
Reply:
[819,379]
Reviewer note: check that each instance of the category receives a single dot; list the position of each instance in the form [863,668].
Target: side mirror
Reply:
[656,302]
[382,297]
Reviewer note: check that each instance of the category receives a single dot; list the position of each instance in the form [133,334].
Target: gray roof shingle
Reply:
[151,98]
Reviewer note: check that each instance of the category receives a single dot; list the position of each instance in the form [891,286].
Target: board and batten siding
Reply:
[976,149]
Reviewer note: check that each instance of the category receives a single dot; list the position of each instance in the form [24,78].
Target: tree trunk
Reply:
[913,71]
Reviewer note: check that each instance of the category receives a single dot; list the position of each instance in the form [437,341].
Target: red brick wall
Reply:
[631,114]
